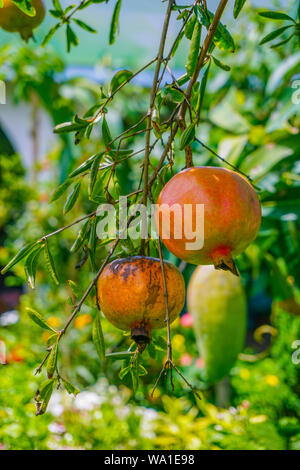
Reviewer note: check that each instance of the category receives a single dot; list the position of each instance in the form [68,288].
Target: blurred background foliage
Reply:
[251,118]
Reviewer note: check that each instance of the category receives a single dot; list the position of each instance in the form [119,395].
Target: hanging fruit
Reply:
[131,295]
[231,219]
[218,304]
[12,19]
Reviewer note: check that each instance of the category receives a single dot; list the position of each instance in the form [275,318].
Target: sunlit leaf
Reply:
[114,25]
[39,319]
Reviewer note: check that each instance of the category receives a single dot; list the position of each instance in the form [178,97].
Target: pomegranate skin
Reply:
[12,19]
[131,293]
[232,214]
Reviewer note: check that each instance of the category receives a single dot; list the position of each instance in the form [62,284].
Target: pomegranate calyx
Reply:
[141,336]
[222,259]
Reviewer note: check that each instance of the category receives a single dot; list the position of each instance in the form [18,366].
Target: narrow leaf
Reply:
[50,34]
[60,190]
[274,34]
[52,360]
[238,5]
[71,389]
[188,136]
[194,50]
[114,25]
[72,198]
[278,44]
[202,90]
[31,265]
[106,135]
[80,237]
[94,172]
[276,15]
[119,355]
[20,255]
[221,64]
[50,263]
[83,167]
[85,26]
[38,319]
[124,372]
[98,338]
[44,395]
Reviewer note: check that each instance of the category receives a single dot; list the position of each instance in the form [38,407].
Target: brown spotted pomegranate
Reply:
[232,215]
[131,295]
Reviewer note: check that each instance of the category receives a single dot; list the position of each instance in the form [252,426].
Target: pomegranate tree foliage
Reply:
[241,112]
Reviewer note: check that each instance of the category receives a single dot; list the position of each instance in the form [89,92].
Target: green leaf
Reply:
[71,389]
[188,136]
[94,172]
[222,38]
[274,34]
[76,291]
[44,387]
[72,39]
[202,89]
[72,198]
[98,337]
[20,255]
[84,166]
[194,50]
[160,343]
[106,135]
[93,236]
[190,26]
[50,263]
[38,319]
[177,43]
[134,378]
[44,394]
[1,3]
[114,25]
[278,44]
[65,127]
[80,237]
[221,64]
[60,190]
[238,5]
[120,77]
[50,34]
[119,355]
[31,265]
[25,6]
[141,370]
[276,15]
[124,372]
[85,26]
[52,359]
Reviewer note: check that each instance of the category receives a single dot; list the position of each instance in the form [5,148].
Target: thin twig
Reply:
[151,105]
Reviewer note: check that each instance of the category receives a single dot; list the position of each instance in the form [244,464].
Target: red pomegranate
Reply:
[231,219]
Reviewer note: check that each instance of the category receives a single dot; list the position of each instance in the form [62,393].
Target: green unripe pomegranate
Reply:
[218,304]
[12,19]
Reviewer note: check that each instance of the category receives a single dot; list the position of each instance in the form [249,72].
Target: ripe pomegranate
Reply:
[218,304]
[231,215]
[12,19]
[131,295]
